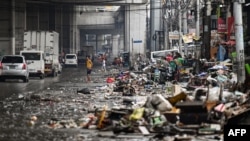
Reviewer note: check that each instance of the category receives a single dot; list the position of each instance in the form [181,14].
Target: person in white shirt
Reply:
[121,61]
[104,64]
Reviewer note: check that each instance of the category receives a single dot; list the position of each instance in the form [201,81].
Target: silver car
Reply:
[14,67]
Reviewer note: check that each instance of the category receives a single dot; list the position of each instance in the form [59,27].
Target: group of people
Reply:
[174,63]
[118,61]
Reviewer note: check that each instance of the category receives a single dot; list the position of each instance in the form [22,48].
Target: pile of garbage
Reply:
[201,105]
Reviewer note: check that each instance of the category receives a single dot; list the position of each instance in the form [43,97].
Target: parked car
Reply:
[71,60]
[14,67]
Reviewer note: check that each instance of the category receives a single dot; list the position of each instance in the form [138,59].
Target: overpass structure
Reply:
[100,2]
[78,22]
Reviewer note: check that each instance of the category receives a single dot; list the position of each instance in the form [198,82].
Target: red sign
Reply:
[221,28]
[230,27]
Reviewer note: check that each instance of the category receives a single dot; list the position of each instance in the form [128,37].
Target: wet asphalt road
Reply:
[52,100]
[12,87]
[16,112]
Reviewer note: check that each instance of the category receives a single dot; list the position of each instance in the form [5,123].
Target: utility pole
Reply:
[207,30]
[185,31]
[180,26]
[241,74]
[13,27]
[197,31]
[166,21]
[185,25]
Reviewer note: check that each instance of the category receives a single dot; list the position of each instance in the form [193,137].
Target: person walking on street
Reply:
[104,64]
[89,65]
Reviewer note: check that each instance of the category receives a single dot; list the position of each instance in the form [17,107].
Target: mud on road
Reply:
[61,112]
[58,112]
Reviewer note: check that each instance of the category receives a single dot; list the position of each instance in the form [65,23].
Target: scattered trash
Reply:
[137,103]
[84,91]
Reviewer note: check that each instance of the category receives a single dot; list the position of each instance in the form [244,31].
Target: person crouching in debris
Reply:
[89,65]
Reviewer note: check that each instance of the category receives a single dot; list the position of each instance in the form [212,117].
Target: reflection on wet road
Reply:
[56,99]
[11,87]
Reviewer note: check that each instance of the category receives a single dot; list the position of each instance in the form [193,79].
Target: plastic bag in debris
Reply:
[133,75]
[234,78]
[222,78]
[137,114]
[84,91]
[158,119]
[110,80]
[157,101]
[213,94]
[217,67]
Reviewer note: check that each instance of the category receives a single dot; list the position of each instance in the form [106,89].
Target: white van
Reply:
[35,61]
[71,60]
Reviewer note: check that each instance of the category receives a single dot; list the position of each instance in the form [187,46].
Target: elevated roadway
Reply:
[92,2]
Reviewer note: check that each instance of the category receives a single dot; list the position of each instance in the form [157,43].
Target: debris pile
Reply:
[137,103]
[201,105]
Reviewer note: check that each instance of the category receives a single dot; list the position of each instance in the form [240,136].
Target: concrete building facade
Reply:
[74,26]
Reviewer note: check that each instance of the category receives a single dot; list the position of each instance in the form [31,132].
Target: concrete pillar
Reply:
[78,46]
[100,42]
[57,24]
[77,31]
[121,43]
[115,47]
[19,26]
[73,29]
[127,28]
[135,30]
[155,18]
